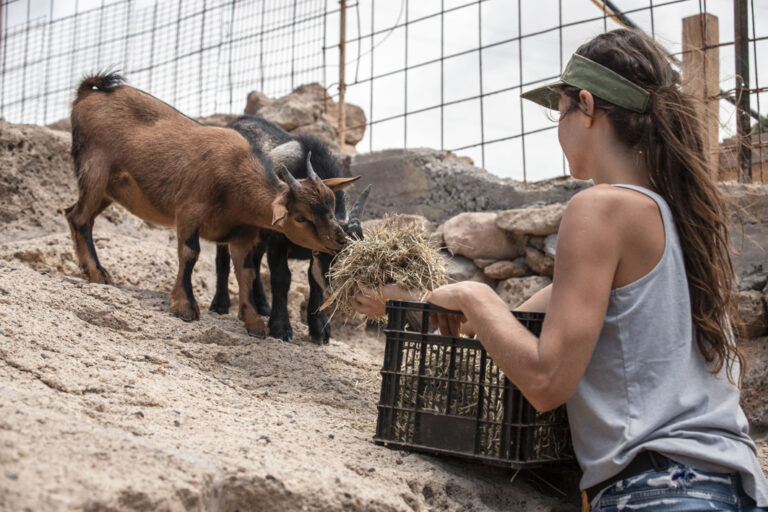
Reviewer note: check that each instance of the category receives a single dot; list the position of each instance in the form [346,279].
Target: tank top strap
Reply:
[666,212]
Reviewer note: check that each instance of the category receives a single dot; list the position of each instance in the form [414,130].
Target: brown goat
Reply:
[168,169]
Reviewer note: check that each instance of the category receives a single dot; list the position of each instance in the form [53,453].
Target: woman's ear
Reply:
[587,102]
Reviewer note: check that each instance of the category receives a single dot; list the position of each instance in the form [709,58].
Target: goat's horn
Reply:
[287,177]
[357,209]
[310,171]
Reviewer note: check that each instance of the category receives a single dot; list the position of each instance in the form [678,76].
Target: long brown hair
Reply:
[668,138]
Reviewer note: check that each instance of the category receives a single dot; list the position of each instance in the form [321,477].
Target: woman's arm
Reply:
[539,302]
[548,369]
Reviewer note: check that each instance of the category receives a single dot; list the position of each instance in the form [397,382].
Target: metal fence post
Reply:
[741,42]
[700,78]
[342,84]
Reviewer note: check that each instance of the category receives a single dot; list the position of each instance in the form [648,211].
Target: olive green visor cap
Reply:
[604,83]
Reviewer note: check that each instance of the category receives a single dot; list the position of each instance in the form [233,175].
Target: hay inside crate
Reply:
[443,394]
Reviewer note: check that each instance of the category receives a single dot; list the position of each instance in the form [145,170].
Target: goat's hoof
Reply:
[322,337]
[281,332]
[220,307]
[256,333]
[188,315]
[98,276]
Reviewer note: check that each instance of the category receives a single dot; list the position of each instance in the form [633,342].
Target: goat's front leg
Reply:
[245,273]
[184,304]
[319,327]
[280,280]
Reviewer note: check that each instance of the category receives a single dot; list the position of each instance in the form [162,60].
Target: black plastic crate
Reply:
[444,394]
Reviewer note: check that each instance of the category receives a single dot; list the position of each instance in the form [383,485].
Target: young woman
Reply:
[637,338]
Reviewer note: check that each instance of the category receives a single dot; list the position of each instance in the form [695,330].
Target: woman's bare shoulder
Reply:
[607,201]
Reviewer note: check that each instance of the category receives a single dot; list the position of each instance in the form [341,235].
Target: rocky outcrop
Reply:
[309,109]
[439,185]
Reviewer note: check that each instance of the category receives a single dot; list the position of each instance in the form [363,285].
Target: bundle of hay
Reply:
[394,252]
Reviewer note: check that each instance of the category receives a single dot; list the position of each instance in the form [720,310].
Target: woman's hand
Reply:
[372,304]
[452,296]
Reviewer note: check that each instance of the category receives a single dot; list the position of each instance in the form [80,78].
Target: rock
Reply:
[481,263]
[750,262]
[292,111]
[256,101]
[756,281]
[550,244]
[440,185]
[537,242]
[322,131]
[539,262]
[64,125]
[516,290]
[752,308]
[532,221]
[755,385]
[309,109]
[436,238]
[475,235]
[460,268]
[506,269]
[354,121]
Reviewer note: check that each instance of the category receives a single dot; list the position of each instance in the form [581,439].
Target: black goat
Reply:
[289,151]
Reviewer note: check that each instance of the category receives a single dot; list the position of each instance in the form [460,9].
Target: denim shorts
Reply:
[678,488]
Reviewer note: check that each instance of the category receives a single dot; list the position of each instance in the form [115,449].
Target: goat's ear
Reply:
[279,209]
[337,184]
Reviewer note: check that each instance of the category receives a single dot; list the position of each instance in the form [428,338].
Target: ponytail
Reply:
[668,137]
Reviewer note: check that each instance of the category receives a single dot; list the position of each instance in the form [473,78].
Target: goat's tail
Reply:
[103,81]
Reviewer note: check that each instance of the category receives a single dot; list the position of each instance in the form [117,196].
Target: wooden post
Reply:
[701,70]
[1,27]
[342,85]
[741,50]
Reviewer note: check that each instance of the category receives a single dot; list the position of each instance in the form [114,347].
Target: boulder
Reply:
[755,386]
[539,262]
[354,121]
[475,235]
[752,308]
[537,242]
[460,268]
[440,185]
[322,131]
[516,290]
[550,244]
[505,269]
[531,221]
[292,111]
[436,238]
[481,263]
[256,101]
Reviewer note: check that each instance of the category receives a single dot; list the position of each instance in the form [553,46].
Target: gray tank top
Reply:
[647,386]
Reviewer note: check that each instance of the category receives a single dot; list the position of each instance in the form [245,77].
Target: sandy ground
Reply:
[109,403]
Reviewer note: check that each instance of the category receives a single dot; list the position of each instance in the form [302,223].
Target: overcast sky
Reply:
[503,114]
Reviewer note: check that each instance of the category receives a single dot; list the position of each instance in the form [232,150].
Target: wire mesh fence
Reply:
[443,74]
[202,56]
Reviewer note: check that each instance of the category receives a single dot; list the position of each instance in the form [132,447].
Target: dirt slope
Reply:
[107,402]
